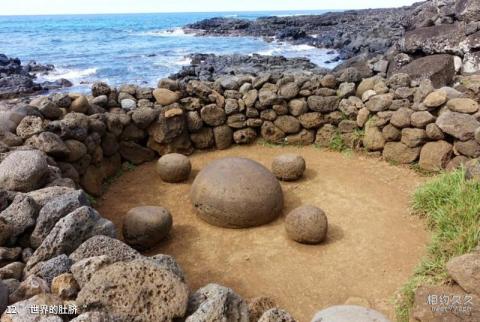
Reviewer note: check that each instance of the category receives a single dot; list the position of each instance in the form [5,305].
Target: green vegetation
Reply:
[451,207]
[337,143]
[91,199]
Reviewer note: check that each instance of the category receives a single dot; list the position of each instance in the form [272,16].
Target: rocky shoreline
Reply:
[426,28]
[18,80]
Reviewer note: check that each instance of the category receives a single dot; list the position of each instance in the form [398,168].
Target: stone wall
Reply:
[51,239]
[88,137]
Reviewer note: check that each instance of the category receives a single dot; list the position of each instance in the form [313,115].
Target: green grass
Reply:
[451,207]
[337,143]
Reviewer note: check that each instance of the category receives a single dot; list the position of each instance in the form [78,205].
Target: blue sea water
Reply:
[129,48]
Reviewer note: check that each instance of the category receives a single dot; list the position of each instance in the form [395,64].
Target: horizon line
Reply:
[179,12]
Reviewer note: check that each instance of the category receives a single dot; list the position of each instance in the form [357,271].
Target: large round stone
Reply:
[307,224]
[174,167]
[288,167]
[144,227]
[236,193]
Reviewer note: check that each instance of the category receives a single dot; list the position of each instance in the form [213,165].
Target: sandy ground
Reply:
[372,248]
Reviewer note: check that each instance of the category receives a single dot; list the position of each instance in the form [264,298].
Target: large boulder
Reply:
[236,193]
[146,226]
[465,270]
[440,69]
[136,290]
[459,125]
[69,233]
[55,210]
[217,303]
[165,96]
[23,171]
[398,152]
[101,245]
[467,10]
[435,156]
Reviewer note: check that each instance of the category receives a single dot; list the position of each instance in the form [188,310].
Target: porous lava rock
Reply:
[236,193]
[307,224]
[137,290]
[174,167]
[146,226]
[288,167]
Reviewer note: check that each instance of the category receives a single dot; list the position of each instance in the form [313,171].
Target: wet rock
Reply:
[100,88]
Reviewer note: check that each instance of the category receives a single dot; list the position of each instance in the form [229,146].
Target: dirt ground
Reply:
[372,248]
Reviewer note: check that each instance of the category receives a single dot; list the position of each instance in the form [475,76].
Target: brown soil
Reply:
[372,248]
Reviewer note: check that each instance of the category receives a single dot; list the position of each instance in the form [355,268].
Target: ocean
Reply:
[129,48]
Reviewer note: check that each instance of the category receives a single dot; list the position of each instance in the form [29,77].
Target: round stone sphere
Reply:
[174,167]
[288,167]
[307,225]
[144,227]
[236,193]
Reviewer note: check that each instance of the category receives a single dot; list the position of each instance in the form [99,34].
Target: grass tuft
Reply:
[451,206]
[337,143]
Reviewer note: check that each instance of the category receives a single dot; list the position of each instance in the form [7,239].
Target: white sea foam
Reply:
[172,32]
[72,75]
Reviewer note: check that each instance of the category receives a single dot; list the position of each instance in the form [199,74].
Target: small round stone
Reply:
[236,193]
[144,227]
[307,225]
[174,167]
[288,167]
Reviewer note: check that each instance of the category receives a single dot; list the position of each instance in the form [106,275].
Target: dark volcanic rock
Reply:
[209,67]
[351,32]
[18,80]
